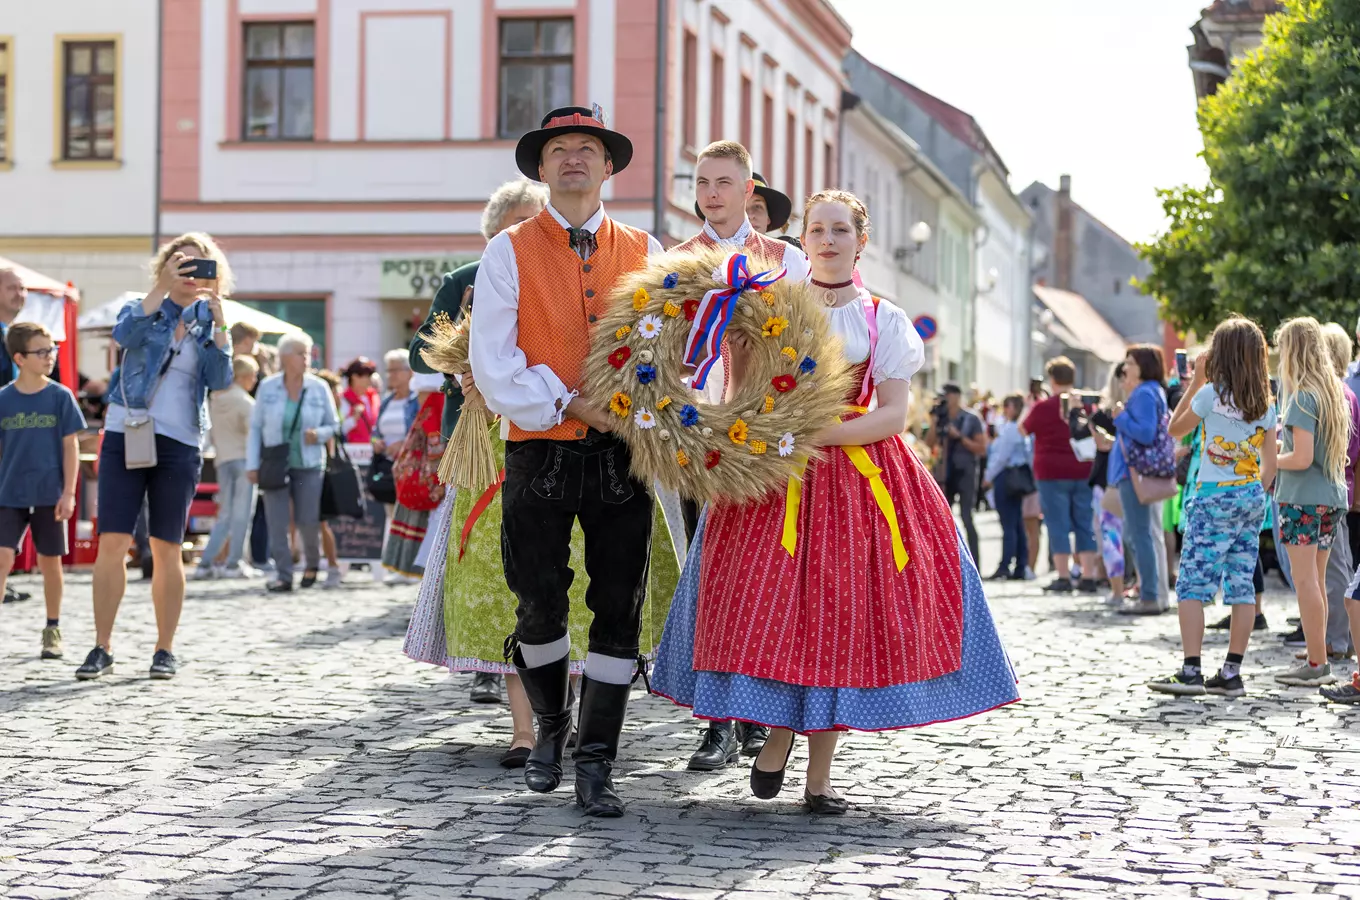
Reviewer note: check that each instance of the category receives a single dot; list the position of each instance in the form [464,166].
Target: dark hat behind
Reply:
[571,120]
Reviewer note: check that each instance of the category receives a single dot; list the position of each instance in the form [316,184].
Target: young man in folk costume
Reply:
[738,209]
[726,197]
[767,210]
[539,289]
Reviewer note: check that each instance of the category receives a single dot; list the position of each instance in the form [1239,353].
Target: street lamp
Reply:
[919,235]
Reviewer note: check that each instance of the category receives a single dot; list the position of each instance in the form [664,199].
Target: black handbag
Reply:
[342,494]
[382,483]
[1018,481]
[274,459]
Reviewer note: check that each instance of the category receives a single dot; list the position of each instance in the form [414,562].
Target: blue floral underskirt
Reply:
[984,681]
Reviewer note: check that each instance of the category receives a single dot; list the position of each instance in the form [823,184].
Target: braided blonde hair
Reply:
[1306,367]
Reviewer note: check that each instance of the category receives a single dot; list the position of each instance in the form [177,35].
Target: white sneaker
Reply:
[1029,574]
[333,578]
[240,570]
[203,573]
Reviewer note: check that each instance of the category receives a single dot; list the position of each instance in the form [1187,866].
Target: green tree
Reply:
[1276,232]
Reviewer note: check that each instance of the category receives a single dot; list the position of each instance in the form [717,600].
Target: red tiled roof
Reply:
[954,120]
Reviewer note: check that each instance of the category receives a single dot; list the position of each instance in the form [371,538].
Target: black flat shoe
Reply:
[279,587]
[819,805]
[767,785]
[515,757]
[309,578]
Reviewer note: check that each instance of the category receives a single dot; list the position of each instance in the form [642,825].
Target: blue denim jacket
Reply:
[146,341]
[1143,413]
[267,425]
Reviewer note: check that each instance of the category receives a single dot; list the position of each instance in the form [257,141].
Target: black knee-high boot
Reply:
[603,707]
[546,687]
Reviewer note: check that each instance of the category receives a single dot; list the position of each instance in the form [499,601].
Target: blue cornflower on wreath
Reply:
[670,280]
[646,374]
[689,416]
[807,365]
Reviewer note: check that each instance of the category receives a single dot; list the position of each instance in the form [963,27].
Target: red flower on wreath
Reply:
[784,383]
[691,308]
[711,459]
[619,357]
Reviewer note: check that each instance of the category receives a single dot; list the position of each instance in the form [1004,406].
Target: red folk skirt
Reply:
[838,612]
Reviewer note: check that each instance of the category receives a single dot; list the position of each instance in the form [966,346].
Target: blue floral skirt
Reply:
[983,682]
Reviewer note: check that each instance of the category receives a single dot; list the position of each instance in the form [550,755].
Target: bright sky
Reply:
[1097,89]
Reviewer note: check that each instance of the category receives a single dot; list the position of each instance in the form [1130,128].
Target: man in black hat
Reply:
[540,287]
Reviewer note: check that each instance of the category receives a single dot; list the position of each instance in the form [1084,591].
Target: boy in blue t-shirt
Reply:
[39,464]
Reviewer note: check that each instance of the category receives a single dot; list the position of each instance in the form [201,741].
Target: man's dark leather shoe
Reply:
[719,749]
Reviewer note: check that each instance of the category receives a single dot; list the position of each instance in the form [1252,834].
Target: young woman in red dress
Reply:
[864,612]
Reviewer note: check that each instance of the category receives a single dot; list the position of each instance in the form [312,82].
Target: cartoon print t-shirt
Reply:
[1231,455]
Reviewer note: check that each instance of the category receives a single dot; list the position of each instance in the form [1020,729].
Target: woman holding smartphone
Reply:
[175,350]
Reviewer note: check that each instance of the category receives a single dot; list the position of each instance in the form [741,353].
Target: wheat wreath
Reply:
[795,384]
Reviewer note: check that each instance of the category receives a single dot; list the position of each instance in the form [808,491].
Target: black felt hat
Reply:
[778,203]
[571,120]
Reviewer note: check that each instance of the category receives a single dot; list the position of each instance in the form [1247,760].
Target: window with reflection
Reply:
[536,72]
[89,100]
[279,89]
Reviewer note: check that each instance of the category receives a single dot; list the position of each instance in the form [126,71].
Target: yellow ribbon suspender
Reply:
[865,466]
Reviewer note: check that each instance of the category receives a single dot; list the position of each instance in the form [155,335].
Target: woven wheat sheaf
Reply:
[469,460]
[795,382]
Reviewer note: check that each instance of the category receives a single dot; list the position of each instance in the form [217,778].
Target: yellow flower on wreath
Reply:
[791,353]
[672,309]
[621,404]
[774,326]
[769,403]
[768,297]
[623,332]
[681,458]
[757,447]
[738,432]
[640,299]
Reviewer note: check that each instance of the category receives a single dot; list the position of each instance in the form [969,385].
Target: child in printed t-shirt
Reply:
[1312,487]
[39,459]
[1229,399]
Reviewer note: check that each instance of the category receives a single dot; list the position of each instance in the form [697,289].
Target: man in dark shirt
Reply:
[965,440]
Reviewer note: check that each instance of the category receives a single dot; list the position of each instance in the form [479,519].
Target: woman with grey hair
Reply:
[512,203]
[294,410]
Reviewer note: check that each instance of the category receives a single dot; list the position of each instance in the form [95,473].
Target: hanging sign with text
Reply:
[417,277]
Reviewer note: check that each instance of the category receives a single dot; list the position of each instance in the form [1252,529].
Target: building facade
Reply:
[982,260]
[1083,258]
[909,198]
[1227,30]
[78,141]
[342,150]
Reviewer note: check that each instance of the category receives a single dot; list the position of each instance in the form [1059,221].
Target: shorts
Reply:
[1222,544]
[49,535]
[1309,526]
[1067,515]
[167,488]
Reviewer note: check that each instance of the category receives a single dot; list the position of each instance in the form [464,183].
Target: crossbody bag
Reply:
[139,428]
[274,458]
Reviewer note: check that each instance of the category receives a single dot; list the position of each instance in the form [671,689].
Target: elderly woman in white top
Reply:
[296,410]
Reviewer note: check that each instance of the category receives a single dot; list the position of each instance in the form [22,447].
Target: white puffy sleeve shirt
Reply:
[900,353]
[532,397]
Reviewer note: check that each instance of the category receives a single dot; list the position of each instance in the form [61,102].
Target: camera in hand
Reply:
[939,413]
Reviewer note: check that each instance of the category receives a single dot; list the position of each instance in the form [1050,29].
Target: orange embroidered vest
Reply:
[560,297]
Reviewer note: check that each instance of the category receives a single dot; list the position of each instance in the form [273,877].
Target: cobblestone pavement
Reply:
[299,754]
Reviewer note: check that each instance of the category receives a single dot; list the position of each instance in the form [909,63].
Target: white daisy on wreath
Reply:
[649,327]
[644,419]
[786,444]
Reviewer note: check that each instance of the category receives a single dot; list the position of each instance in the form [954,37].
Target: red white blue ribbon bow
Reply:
[704,346]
